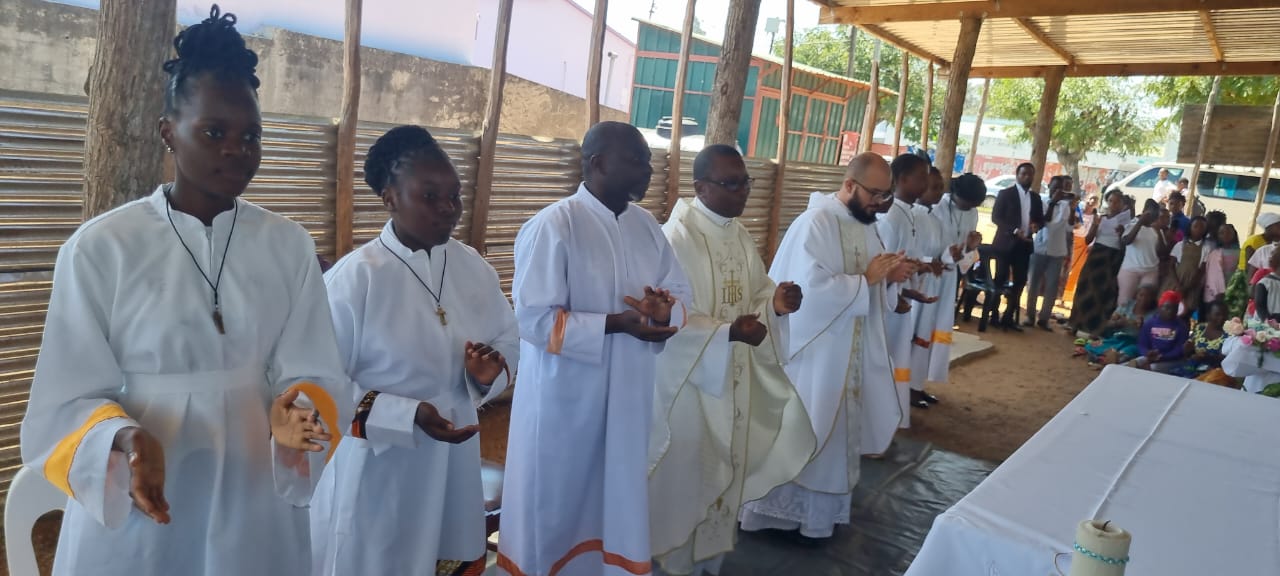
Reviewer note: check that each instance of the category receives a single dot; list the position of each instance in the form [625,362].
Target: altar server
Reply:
[181,330]
[425,333]
[899,229]
[728,425]
[597,292]
[839,361]
[959,219]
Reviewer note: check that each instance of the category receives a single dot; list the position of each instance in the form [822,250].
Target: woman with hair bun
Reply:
[427,336]
[189,374]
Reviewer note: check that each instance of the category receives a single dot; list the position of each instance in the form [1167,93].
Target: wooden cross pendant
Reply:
[444,321]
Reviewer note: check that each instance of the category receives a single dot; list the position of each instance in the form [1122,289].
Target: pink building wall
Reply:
[549,44]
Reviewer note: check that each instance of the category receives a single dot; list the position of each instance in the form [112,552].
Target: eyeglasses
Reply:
[733,185]
[875,193]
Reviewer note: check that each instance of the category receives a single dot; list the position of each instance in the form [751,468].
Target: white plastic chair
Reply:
[30,497]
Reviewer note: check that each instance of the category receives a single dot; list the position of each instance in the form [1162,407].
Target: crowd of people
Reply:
[214,401]
[1149,285]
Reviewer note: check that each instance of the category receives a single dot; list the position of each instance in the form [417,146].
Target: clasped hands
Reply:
[649,318]
[748,328]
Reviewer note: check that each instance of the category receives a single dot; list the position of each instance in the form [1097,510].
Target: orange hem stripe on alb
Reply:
[327,408]
[57,467]
[941,337]
[608,558]
[902,374]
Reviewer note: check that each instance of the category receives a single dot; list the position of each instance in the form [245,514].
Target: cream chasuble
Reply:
[728,425]
[838,362]
[396,501]
[929,244]
[956,224]
[129,340]
[575,496]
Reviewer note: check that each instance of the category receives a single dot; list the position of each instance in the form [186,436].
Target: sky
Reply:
[710,13]
[388,23]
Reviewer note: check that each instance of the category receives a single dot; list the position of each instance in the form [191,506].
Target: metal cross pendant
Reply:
[444,320]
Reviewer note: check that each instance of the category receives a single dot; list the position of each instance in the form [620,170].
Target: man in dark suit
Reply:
[1018,214]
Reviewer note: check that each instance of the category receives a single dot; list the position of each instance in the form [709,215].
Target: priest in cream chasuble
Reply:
[728,426]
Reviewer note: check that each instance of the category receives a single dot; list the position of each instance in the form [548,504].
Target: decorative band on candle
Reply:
[1103,559]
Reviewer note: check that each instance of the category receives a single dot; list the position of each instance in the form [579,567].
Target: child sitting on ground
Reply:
[1163,337]
[1119,341]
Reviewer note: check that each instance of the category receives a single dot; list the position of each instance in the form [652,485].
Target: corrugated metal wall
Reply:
[802,180]
[529,174]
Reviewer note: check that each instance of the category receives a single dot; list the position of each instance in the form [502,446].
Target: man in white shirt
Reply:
[1163,188]
[1051,247]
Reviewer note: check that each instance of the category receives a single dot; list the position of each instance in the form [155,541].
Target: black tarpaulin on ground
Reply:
[893,509]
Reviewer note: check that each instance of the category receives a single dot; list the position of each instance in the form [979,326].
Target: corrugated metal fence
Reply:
[41,177]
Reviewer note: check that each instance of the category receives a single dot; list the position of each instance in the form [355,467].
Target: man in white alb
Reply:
[728,426]
[838,358]
[597,292]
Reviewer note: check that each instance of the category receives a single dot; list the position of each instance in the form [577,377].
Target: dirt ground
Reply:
[992,405]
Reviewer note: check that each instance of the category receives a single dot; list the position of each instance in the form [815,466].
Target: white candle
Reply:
[1104,546]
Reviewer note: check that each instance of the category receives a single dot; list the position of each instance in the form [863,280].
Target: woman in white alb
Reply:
[425,333]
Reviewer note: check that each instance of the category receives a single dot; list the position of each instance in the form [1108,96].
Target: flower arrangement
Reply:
[1263,336]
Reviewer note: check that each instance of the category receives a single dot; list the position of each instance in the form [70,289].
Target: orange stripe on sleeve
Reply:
[327,408]
[556,342]
[57,467]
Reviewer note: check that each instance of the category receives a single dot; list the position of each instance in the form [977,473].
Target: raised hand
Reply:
[146,470]
[918,297]
[748,329]
[787,298]
[296,427]
[881,266]
[901,271]
[656,305]
[957,253]
[439,428]
[483,363]
[937,267]
[637,326]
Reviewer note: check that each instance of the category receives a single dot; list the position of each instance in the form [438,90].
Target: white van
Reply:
[1230,189]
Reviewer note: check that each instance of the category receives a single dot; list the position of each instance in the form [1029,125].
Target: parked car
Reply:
[995,185]
[1230,189]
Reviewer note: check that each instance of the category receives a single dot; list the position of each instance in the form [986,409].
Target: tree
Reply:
[827,48]
[1176,91]
[123,156]
[1104,115]
[730,83]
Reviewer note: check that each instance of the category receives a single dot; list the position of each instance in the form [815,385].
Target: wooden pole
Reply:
[971,159]
[872,110]
[1044,121]
[489,131]
[852,65]
[784,125]
[1266,166]
[957,84]
[1204,139]
[598,28]
[677,111]
[123,157]
[928,108]
[902,103]
[345,206]
[731,73]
